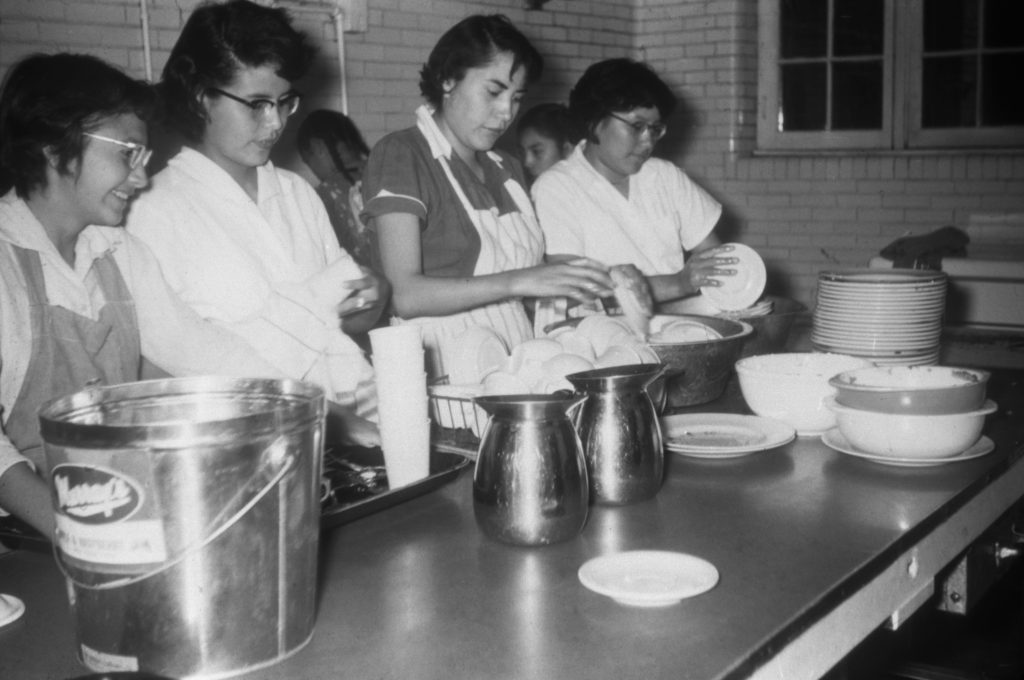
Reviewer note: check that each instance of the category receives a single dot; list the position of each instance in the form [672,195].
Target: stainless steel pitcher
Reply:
[620,432]
[530,483]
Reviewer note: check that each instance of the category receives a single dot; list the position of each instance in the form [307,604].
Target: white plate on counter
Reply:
[723,435]
[834,439]
[648,578]
[11,609]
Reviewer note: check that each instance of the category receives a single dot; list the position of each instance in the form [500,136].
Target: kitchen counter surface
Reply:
[815,549]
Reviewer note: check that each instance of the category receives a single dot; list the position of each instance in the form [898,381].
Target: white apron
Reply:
[510,241]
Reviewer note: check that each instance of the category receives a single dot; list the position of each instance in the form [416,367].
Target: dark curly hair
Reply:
[49,101]
[616,86]
[332,128]
[551,120]
[471,43]
[218,40]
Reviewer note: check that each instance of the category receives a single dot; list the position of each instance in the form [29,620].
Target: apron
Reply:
[70,351]
[510,241]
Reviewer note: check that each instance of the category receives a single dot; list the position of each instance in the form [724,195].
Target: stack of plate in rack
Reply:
[892,317]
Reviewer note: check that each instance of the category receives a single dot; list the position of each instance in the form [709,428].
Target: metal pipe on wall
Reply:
[147,49]
[339,28]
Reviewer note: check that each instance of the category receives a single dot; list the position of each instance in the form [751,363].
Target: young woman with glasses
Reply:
[610,200]
[247,244]
[81,301]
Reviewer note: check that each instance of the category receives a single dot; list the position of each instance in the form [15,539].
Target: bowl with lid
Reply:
[792,386]
[916,390]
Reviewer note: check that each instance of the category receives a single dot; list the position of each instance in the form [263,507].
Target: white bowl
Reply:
[903,435]
[792,387]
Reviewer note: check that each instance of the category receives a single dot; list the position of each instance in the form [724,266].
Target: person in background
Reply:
[333,148]
[457,235]
[611,201]
[81,301]
[246,244]
[544,134]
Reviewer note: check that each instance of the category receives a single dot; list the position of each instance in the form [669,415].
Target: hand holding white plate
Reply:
[648,578]
[745,287]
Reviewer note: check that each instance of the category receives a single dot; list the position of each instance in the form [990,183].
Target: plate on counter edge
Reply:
[648,578]
[834,439]
[723,435]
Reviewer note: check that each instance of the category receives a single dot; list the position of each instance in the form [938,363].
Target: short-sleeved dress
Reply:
[468,227]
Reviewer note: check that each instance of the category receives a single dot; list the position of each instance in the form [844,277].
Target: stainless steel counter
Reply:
[815,549]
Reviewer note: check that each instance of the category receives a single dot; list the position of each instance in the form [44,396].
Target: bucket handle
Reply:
[277,451]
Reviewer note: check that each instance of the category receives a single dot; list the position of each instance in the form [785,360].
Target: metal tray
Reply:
[355,483]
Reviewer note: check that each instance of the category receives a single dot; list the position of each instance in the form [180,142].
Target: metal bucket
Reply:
[188,521]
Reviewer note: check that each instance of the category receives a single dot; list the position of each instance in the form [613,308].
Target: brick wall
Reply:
[802,212]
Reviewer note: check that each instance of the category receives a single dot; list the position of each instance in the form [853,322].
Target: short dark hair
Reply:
[617,85]
[471,43]
[550,120]
[49,101]
[217,41]
[332,128]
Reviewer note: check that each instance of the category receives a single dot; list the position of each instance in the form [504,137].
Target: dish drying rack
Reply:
[457,421]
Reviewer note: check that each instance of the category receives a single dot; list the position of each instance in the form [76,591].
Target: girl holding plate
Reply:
[611,201]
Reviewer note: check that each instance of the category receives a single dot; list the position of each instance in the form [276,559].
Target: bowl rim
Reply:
[747,362]
[837,380]
[830,402]
[745,330]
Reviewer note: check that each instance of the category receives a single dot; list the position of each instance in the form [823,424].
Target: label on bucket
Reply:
[102,515]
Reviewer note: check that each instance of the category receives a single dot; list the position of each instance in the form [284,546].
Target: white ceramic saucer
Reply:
[11,609]
[648,578]
[742,289]
[722,435]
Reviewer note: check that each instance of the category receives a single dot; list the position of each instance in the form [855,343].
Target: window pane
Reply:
[804,27]
[950,24]
[859,26]
[949,90]
[857,95]
[803,97]
[1001,100]
[1003,22]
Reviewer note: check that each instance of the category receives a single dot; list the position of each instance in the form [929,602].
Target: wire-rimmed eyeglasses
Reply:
[286,105]
[655,130]
[138,155]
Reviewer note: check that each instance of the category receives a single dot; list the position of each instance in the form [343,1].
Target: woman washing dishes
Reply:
[613,202]
[81,301]
[456,232]
[248,245]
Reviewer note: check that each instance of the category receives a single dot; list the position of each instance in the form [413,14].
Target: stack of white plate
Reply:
[892,317]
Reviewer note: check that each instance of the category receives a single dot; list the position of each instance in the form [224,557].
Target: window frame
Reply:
[901,97]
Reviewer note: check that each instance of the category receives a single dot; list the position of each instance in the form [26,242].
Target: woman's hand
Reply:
[703,268]
[361,310]
[579,278]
